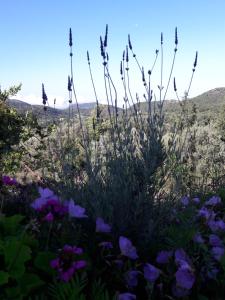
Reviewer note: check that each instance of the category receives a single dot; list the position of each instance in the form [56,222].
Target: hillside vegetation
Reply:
[104,203]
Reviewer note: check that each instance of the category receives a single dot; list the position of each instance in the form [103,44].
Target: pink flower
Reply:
[55,263]
[49,217]
[80,264]
[66,264]
[9,181]
[67,274]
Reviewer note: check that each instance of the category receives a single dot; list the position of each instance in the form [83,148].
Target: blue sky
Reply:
[34,44]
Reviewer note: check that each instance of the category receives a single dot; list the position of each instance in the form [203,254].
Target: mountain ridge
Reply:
[207,102]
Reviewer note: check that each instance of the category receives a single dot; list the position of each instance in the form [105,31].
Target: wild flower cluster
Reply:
[178,269]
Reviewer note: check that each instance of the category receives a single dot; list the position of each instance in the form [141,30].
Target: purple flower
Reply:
[80,264]
[197,238]
[179,292]
[55,263]
[216,225]
[185,200]
[126,296]
[212,273]
[196,200]
[45,193]
[205,213]
[218,252]
[215,241]
[127,248]
[49,217]
[106,245]
[151,273]
[163,257]
[76,210]
[215,200]
[119,263]
[65,264]
[181,257]
[72,249]
[9,181]
[39,203]
[185,277]
[67,274]
[131,278]
[101,226]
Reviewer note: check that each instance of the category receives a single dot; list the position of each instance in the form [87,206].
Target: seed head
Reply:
[174,85]
[88,57]
[176,38]
[129,42]
[127,54]
[106,36]
[102,48]
[44,96]
[121,68]
[161,38]
[69,84]
[196,59]
[123,55]
[143,74]
[70,38]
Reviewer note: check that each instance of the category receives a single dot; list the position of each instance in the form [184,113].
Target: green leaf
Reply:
[29,282]
[16,254]
[42,262]
[201,297]
[71,290]
[11,224]
[4,277]
[14,293]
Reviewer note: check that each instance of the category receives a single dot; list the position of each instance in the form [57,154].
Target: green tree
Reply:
[11,123]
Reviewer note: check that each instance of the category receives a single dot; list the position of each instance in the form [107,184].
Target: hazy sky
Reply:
[34,44]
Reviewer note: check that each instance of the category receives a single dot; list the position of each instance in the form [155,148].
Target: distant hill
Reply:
[207,104]
[23,107]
